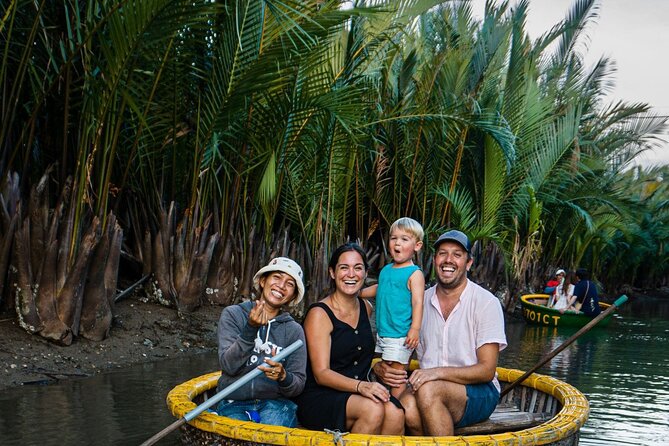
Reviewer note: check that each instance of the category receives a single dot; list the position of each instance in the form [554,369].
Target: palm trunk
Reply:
[221,278]
[9,220]
[97,307]
[26,309]
[180,260]
[64,290]
[71,296]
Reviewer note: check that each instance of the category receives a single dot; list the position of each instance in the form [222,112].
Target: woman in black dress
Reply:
[340,346]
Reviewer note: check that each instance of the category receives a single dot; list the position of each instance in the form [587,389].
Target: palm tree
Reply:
[203,137]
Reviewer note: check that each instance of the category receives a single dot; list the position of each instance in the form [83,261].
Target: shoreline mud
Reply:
[141,332]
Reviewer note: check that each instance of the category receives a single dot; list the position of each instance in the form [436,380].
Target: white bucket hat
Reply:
[285,265]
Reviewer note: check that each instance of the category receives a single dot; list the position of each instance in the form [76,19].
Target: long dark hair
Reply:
[346,247]
[569,279]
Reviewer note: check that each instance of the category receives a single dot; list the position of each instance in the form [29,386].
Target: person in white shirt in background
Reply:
[563,297]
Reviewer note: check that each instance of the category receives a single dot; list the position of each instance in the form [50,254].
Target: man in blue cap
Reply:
[460,339]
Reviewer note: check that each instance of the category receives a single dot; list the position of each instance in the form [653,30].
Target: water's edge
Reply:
[622,369]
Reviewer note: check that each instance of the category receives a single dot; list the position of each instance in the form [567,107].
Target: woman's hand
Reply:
[258,316]
[273,370]
[373,391]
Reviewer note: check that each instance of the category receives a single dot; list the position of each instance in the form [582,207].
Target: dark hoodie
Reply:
[242,348]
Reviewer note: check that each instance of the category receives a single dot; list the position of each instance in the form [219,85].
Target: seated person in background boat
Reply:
[585,291]
[399,297]
[554,282]
[252,332]
[460,340]
[337,395]
[563,298]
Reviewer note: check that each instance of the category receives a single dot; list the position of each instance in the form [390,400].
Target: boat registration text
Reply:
[537,316]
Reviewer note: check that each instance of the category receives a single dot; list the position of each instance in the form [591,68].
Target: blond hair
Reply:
[408,225]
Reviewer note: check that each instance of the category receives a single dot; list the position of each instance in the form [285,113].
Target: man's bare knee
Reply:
[429,393]
[439,394]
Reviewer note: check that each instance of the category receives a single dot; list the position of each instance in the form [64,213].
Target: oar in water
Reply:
[220,395]
[621,300]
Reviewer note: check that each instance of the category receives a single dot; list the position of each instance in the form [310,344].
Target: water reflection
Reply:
[622,369]
[118,408]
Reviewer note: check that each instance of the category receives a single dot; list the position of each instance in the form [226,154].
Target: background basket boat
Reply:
[542,411]
[535,311]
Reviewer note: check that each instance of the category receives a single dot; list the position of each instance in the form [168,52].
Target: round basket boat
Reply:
[557,408]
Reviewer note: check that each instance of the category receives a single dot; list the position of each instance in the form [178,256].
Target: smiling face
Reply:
[349,273]
[278,288]
[402,246]
[451,263]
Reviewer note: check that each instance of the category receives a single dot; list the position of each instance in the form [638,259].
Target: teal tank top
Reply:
[393,301]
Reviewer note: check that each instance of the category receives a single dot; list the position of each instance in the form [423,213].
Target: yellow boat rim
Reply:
[566,423]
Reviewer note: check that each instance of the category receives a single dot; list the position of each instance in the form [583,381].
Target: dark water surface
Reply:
[123,407]
[623,369]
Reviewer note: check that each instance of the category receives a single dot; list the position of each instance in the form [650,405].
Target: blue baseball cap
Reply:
[455,236]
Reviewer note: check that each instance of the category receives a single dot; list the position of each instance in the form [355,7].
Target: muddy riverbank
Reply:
[141,332]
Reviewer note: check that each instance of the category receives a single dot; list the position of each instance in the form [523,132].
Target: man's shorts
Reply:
[393,349]
[481,402]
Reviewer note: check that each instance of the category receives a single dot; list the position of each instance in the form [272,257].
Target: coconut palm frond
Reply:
[581,13]
[464,214]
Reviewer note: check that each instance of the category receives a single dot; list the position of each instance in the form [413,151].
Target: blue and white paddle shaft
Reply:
[222,394]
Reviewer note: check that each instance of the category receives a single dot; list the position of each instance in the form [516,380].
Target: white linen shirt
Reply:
[477,319]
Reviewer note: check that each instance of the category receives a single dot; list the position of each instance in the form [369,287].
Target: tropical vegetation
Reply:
[185,142]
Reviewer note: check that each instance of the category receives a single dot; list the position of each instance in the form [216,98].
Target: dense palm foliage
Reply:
[287,126]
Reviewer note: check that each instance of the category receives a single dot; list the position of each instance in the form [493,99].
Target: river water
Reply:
[623,369]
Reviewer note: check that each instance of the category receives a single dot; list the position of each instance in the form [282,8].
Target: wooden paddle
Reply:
[621,300]
[220,395]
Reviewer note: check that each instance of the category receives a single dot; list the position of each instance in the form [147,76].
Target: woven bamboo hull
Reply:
[535,312]
[567,407]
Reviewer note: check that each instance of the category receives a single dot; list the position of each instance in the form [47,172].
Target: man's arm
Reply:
[481,372]
[579,291]
[388,375]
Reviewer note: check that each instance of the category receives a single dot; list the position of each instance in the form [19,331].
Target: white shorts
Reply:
[393,349]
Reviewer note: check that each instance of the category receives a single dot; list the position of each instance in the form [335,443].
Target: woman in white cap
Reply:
[553,283]
[252,332]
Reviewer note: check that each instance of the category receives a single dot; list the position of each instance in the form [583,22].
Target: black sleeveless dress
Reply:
[351,353]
